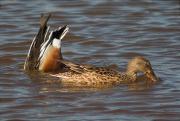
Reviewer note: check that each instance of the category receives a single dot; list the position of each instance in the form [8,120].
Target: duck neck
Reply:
[132,74]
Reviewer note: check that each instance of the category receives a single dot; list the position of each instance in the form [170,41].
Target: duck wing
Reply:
[42,42]
[89,68]
[73,66]
[50,46]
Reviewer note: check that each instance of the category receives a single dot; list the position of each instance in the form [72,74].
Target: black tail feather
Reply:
[34,51]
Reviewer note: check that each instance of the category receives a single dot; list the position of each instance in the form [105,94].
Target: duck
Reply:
[45,48]
[45,56]
[89,75]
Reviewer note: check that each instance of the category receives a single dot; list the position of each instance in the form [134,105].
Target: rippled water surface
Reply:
[102,32]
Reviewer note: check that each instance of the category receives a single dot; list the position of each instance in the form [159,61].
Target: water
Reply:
[101,32]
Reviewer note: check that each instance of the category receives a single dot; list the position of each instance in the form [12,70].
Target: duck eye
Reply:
[140,63]
[147,64]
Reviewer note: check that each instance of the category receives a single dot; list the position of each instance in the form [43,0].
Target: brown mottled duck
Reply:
[45,55]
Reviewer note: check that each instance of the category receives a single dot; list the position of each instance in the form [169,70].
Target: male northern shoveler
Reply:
[45,48]
[45,55]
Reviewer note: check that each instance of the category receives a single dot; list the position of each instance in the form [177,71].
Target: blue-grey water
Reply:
[102,32]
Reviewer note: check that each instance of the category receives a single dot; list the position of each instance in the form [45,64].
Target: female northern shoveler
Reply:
[45,55]
[90,75]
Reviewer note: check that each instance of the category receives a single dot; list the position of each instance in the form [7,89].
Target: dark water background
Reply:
[102,32]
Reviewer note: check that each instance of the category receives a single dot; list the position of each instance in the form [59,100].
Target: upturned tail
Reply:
[41,47]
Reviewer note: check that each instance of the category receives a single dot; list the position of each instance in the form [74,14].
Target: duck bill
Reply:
[151,75]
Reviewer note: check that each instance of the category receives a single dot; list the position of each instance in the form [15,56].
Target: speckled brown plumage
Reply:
[97,76]
[45,55]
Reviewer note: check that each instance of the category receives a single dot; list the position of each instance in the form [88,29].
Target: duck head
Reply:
[142,65]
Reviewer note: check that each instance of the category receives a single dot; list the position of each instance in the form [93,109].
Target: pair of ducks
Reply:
[45,55]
